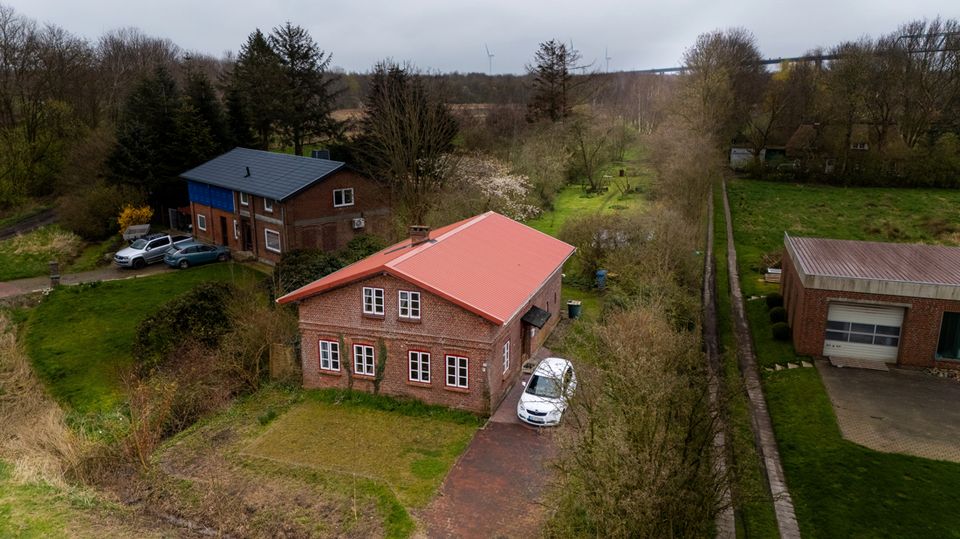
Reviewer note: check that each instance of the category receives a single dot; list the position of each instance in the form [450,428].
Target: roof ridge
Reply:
[392,264]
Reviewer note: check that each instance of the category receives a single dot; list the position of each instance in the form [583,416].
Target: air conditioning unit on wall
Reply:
[359,222]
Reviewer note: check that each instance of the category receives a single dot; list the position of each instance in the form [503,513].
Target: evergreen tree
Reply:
[258,79]
[146,154]
[552,77]
[308,90]
[202,98]
[237,120]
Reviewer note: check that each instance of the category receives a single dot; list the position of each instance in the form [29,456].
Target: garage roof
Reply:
[903,269]
[490,265]
[264,174]
[907,262]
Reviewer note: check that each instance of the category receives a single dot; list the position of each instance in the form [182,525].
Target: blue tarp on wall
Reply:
[211,195]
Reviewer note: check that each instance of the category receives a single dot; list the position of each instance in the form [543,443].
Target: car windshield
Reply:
[542,386]
[139,244]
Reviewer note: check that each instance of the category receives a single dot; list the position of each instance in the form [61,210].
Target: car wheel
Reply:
[184,264]
[138,263]
[223,257]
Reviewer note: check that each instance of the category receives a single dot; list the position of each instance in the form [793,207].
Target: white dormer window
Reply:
[244,199]
[268,205]
[343,197]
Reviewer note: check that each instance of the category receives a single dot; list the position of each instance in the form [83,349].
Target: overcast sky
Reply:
[449,35]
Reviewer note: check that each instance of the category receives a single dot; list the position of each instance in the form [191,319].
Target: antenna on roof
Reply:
[248,173]
[489,59]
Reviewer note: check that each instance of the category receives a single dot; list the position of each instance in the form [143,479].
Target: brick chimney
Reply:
[419,234]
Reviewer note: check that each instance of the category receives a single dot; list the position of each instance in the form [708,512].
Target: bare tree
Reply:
[407,137]
[589,144]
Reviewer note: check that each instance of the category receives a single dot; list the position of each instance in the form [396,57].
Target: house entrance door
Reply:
[247,235]
[223,230]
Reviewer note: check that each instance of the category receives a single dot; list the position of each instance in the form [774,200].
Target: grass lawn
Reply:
[92,256]
[763,210]
[29,510]
[572,201]
[79,338]
[841,489]
[29,255]
[329,462]
[411,454]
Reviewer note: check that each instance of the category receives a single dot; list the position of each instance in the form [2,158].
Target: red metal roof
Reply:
[901,262]
[489,264]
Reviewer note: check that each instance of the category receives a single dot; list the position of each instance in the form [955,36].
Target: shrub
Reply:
[197,316]
[302,266]
[130,216]
[781,331]
[361,247]
[778,314]
[92,212]
[774,299]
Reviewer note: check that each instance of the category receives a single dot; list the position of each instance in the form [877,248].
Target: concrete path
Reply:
[497,486]
[20,287]
[759,415]
[896,412]
[726,520]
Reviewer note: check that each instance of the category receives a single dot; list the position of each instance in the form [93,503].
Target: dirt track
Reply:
[43,218]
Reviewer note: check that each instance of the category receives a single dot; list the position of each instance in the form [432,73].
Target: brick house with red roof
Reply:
[447,317]
[870,304]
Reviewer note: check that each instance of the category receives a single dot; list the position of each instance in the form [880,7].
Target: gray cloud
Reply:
[450,35]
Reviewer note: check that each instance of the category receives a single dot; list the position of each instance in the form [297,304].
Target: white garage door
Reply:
[863,332]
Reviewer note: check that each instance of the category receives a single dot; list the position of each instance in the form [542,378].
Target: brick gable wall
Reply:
[444,328]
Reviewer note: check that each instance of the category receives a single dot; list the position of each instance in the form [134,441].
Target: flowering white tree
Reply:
[482,183]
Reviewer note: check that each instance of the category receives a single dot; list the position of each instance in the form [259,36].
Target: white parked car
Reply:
[547,393]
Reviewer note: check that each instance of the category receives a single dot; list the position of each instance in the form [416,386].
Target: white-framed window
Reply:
[329,355]
[202,222]
[372,300]
[409,304]
[236,230]
[363,359]
[271,240]
[244,199]
[457,372]
[343,197]
[268,205]
[419,366]
[506,356]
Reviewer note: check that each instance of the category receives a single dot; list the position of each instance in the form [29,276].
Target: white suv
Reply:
[147,250]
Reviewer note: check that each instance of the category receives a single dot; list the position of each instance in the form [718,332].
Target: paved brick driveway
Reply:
[896,411]
[495,487]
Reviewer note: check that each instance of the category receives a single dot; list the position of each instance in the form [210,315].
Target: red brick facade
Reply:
[443,329]
[807,316]
[307,219]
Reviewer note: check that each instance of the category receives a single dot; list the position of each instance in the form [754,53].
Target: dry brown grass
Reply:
[34,436]
[53,241]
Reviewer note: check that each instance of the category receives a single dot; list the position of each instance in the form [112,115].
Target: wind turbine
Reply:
[489,59]
[607,58]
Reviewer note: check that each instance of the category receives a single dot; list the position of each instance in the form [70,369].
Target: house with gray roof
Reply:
[268,203]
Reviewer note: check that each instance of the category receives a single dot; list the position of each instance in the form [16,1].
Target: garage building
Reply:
[863,303]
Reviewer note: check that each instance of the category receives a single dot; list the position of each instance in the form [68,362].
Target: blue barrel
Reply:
[601,279]
[573,308]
